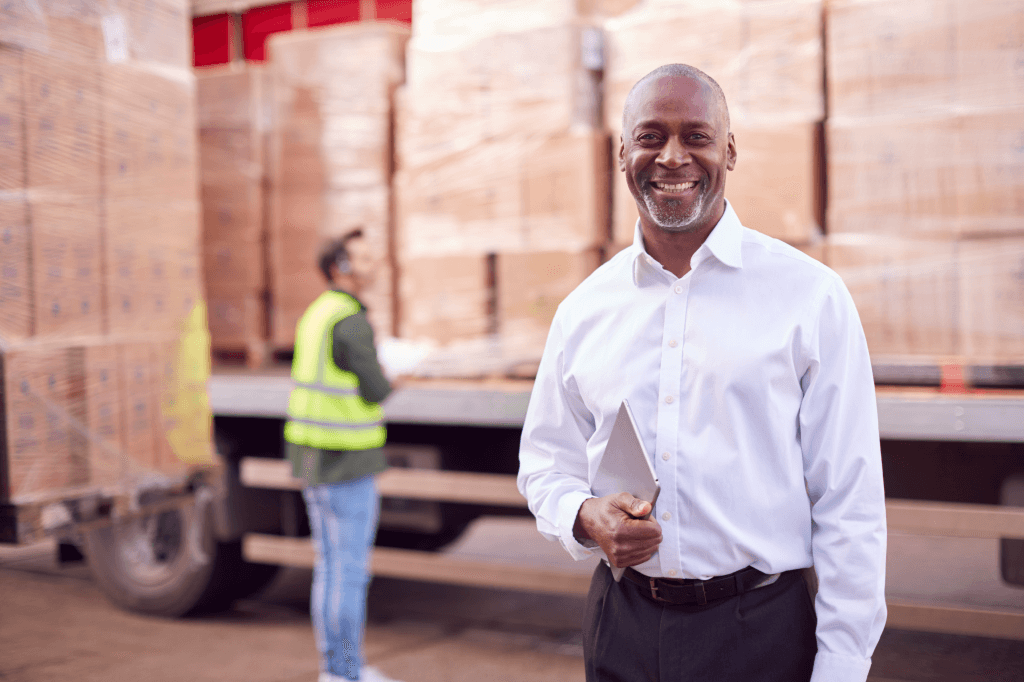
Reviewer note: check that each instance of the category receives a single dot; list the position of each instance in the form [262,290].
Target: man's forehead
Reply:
[674,91]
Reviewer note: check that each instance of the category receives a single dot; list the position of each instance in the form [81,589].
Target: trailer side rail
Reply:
[909,516]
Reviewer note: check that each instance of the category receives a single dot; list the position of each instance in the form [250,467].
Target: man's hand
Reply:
[616,523]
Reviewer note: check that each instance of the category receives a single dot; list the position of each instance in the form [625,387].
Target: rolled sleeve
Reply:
[843,472]
[553,466]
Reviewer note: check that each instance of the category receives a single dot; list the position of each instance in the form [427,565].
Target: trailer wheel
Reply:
[165,564]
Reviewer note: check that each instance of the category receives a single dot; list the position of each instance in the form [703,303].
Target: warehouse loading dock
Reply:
[478,255]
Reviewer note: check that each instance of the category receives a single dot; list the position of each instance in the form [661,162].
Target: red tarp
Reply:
[259,23]
[211,40]
[326,12]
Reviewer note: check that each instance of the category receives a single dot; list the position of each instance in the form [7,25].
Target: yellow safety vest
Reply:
[325,409]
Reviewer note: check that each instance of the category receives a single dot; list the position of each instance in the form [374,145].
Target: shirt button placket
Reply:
[669,415]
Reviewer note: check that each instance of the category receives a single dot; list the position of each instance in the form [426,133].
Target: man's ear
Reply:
[731,163]
[622,155]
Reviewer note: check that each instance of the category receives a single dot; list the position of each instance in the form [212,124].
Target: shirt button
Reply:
[666,516]
[669,399]
[665,456]
[672,343]
[679,290]
[672,571]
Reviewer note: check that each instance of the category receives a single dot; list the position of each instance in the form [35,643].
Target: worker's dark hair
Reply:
[335,252]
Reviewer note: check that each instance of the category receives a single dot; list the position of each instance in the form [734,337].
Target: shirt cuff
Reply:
[830,667]
[568,508]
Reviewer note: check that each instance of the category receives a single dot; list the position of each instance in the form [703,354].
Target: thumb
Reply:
[639,507]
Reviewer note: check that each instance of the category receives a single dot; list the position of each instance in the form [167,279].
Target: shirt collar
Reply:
[724,243]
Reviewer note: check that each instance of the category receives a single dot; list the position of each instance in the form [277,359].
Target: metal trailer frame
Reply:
[905,413]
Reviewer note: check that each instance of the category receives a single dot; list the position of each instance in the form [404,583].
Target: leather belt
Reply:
[699,592]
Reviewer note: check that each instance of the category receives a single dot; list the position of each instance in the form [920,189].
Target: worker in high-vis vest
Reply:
[334,434]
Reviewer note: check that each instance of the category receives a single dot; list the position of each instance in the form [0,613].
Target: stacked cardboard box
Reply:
[924,137]
[233,129]
[331,152]
[502,167]
[767,56]
[332,164]
[102,331]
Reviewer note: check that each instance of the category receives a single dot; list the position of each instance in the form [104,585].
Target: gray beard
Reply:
[672,218]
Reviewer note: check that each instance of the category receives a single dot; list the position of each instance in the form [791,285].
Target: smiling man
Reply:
[747,370]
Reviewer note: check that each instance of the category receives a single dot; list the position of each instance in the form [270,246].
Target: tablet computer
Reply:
[625,466]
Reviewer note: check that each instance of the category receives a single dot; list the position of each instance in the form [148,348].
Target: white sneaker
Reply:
[330,677]
[370,673]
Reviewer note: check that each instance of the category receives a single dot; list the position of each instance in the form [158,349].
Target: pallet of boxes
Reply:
[103,340]
[926,176]
[234,116]
[501,181]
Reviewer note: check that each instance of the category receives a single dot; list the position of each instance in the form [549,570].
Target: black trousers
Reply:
[765,635]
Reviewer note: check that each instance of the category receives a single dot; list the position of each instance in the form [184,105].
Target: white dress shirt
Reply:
[751,384]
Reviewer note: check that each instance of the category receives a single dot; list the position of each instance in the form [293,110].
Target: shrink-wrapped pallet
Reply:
[936,176]
[332,162]
[923,56]
[926,104]
[234,126]
[767,57]
[991,303]
[905,290]
[103,341]
[529,288]
[501,159]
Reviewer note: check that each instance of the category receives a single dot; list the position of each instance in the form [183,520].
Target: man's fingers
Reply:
[640,508]
[633,506]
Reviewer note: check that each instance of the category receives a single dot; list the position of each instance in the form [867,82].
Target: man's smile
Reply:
[674,188]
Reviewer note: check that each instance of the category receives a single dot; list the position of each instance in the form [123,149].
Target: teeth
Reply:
[675,188]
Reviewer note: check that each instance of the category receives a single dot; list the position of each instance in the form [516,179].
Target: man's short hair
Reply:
[334,253]
[681,70]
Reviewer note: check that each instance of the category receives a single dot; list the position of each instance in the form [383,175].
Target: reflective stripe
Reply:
[336,425]
[326,410]
[324,388]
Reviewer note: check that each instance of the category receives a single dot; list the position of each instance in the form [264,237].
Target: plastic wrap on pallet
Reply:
[332,162]
[991,305]
[767,56]
[525,81]
[104,350]
[502,175]
[926,117]
[530,286]
[935,176]
[234,127]
[512,194]
[935,298]
[905,291]
[923,56]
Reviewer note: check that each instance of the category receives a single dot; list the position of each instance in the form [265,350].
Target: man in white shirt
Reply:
[745,365]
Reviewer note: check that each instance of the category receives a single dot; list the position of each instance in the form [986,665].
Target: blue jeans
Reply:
[343,518]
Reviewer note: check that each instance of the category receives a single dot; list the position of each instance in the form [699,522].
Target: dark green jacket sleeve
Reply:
[354,351]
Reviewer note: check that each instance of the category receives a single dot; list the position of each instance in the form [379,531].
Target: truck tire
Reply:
[1011,550]
[164,564]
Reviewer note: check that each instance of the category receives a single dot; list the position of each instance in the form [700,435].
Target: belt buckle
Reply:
[702,596]
[654,589]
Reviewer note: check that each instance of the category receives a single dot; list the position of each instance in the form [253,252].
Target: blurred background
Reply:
[168,170]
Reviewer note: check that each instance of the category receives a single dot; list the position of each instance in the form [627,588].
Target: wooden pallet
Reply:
[253,354]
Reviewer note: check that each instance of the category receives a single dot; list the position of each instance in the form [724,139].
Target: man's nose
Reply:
[674,154]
